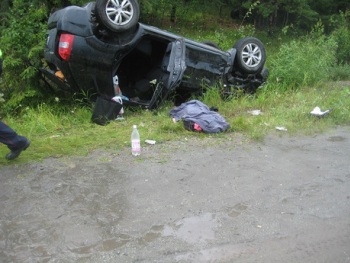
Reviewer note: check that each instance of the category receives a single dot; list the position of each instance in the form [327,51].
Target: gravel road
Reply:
[285,199]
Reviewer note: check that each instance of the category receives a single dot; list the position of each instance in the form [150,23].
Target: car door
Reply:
[173,67]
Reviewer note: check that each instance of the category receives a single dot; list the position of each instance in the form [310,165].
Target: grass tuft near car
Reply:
[87,46]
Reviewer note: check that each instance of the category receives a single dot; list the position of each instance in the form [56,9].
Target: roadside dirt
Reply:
[286,199]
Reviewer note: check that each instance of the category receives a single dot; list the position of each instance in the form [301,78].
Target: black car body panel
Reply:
[138,57]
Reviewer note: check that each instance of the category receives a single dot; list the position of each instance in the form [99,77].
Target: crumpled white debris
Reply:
[280,128]
[255,112]
[150,141]
[317,112]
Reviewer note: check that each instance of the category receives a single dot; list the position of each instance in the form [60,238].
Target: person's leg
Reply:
[14,142]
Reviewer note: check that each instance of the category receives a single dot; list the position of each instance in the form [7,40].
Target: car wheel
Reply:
[251,55]
[117,15]
[264,74]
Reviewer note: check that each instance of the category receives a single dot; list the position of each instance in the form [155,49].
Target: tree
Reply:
[22,44]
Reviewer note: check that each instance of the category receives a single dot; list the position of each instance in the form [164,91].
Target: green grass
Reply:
[57,132]
[299,73]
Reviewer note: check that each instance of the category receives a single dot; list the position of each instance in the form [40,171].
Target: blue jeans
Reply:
[10,138]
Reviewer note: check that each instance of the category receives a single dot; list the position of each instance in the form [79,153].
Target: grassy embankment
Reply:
[302,76]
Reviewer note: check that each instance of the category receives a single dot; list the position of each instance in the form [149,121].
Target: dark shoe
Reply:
[14,154]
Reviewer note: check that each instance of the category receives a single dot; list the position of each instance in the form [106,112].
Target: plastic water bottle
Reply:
[135,142]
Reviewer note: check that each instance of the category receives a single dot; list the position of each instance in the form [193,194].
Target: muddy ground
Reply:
[286,199]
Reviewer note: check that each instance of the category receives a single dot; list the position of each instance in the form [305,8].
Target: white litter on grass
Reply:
[150,142]
[317,112]
[280,128]
[119,118]
[255,112]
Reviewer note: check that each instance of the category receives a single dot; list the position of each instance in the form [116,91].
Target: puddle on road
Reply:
[112,244]
[236,210]
[193,229]
[200,228]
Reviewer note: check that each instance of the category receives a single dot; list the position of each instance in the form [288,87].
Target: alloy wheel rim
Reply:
[119,12]
[251,55]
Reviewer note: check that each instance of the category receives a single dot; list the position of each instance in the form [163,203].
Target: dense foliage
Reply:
[22,42]
[267,14]
[301,61]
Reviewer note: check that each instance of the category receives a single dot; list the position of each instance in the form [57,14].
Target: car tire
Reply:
[117,18]
[250,56]
[264,74]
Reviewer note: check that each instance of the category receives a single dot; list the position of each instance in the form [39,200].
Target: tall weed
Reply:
[302,62]
[341,34]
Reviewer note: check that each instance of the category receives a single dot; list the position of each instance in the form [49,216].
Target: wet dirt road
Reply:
[286,199]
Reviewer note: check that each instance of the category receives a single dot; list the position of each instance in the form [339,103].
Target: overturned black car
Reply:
[87,46]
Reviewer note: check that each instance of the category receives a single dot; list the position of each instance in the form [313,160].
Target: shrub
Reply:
[22,43]
[303,62]
[341,34]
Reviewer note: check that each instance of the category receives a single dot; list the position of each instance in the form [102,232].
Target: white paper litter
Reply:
[255,112]
[280,128]
[317,112]
[150,141]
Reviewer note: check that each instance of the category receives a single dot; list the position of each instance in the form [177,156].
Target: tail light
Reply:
[65,46]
